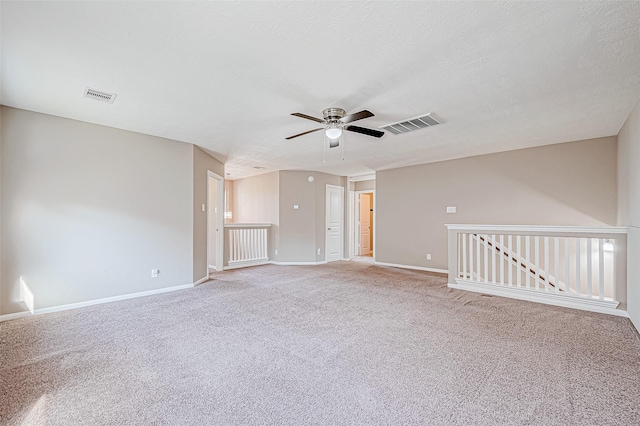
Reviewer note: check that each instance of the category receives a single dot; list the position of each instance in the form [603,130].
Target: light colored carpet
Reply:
[338,344]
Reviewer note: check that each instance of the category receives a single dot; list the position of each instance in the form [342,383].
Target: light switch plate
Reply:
[296,207]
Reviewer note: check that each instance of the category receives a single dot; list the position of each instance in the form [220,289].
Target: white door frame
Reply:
[342,233]
[355,232]
[219,220]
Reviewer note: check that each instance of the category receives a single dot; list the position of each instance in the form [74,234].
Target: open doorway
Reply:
[364,232]
[215,229]
[365,201]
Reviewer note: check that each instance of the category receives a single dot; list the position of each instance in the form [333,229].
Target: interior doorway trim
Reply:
[219,219]
[355,232]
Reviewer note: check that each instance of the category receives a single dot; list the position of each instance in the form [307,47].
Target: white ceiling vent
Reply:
[99,96]
[411,124]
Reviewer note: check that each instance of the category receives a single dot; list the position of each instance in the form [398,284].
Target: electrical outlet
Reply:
[154,273]
[276,252]
[428,256]
[204,207]
[451,209]
[318,253]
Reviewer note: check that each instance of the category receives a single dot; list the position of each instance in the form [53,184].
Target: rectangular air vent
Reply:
[411,124]
[99,96]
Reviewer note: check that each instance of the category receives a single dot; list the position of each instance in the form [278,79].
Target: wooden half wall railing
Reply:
[247,244]
[573,266]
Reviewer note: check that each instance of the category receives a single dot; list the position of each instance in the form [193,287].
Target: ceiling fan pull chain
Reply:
[342,145]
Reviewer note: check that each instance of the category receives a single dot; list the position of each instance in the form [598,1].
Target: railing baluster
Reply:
[527,256]
[519,268]
[589,268]
[501,259]
[486,259]
[464,255]
[247,244]
[254,244]
[578,267]
[478,267]
[493,259]
[556,254]
[471,256]
[509,261]
[546,264]
[613,253]
[458,251]
[601,268]
[236,244]
[567,274]
[536,255]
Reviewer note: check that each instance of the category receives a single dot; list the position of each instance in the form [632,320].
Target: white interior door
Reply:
[334,221]
[365,224]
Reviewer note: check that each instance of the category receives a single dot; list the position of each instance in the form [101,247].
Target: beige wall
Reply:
[295,234]
[202,163]
[256,200]
[629,206]
[565,184]
[297,227]
[302,231]
[88,210]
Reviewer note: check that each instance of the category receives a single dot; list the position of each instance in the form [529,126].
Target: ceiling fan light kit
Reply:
[333,131]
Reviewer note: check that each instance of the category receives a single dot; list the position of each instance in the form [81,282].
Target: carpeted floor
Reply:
[338,344]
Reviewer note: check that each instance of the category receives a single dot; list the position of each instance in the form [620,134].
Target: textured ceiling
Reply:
[226,75]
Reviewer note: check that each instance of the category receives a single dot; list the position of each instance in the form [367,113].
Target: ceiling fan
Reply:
[336,121]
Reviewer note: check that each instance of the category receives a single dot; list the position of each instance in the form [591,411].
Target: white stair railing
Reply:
[248,244]
[514,263]
[568,266]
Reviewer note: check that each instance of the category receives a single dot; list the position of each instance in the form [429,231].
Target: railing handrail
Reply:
[539,229]
[247,225]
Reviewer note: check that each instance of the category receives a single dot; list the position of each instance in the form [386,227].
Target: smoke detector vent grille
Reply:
[99,96]
[411,124]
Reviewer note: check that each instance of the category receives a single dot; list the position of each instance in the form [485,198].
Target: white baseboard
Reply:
[246,263]
[322,262]
[555,299]
[416,268]
[84,304]
[201,280]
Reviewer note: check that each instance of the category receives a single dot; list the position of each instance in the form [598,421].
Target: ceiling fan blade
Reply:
[300,134]
[364,131]
[308,117]
[357,116]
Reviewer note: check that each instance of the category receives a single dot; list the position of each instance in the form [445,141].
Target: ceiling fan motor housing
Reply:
[333,114]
